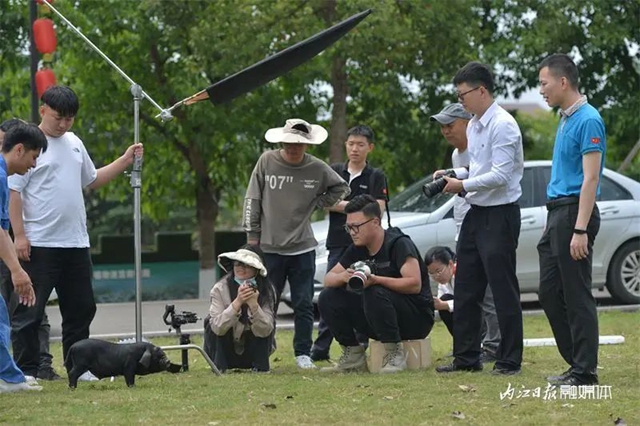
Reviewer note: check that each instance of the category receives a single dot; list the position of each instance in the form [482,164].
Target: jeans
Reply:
[299,270]
[9,371]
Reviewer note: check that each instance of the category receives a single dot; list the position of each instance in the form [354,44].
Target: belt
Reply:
[562,201]
[475,206]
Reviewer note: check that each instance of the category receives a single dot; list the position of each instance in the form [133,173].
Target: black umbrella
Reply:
[274,66]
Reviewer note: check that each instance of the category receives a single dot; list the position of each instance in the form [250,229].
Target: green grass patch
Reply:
[290,396]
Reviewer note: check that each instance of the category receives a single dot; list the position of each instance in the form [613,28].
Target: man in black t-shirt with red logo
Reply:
[362,179]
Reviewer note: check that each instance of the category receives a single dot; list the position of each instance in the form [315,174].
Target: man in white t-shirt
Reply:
[453,120]
[49,222]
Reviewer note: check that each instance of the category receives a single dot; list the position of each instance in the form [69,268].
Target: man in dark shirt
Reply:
[394,301]
[362,179]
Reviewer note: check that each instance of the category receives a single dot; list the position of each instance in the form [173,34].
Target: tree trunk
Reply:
[630,156]
[338,130]
[339,112]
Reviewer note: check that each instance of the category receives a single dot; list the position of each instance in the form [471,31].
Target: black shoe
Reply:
[575,381]
[450,368]
[563,376]
[505,371]
[487,357]
[319,356]
[48,373]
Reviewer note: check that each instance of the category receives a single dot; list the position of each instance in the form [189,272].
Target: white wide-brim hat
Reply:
[225,260]
[296,130]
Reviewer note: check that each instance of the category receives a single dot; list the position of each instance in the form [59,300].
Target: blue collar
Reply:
[3,164]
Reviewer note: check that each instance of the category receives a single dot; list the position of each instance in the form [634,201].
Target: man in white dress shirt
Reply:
[489,234]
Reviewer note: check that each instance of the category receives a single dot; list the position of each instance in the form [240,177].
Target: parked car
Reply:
[616,259]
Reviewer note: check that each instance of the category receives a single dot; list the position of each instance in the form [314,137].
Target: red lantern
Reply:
[45,78]
[44,35]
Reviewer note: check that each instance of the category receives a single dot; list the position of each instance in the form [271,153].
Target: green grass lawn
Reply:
[290,396]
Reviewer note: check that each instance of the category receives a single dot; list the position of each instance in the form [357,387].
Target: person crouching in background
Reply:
[239,328]
[440,262]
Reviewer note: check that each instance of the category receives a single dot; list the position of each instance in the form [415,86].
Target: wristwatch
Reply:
[579,231]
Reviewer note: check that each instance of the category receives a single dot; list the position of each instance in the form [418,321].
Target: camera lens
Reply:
[433,188]
[356,282]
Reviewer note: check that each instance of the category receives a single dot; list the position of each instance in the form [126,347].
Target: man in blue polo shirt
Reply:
[362,179]
[20,149]
[573,221]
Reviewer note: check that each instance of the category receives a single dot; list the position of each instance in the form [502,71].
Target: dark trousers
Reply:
[378,312]
[322,345]
[44,331]
[222,352]
[68,270]
[299,271]
[487,253]
[565,290]
[447,316]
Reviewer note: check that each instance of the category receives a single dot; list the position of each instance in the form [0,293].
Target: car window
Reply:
[413,200]
[528,191]
[609,189]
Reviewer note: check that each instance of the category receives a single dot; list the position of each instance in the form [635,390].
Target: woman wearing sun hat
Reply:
[241,322]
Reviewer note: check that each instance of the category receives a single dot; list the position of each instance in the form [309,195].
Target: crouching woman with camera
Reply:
[380,287]
[240,327]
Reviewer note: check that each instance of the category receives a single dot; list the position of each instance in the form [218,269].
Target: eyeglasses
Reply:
[463,94]
[438,272]
[355,228]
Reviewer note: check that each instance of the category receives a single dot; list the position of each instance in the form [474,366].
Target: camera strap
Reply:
[386,194]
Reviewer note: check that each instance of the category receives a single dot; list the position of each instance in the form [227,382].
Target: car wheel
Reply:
[623,280]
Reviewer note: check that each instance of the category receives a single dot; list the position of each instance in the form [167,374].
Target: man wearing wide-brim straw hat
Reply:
[287,185]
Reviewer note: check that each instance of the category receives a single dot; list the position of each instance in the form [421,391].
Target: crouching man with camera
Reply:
[380,287]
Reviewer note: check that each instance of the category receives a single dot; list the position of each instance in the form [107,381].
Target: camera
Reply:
[362,269]
[178,319]
[435,187]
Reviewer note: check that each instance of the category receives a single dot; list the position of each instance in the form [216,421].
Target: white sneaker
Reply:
[88,377]
[304,362]
[6,387]
[31,381]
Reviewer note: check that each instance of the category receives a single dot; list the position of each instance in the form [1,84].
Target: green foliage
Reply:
[397,66]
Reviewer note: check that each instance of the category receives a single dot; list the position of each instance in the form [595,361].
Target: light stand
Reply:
[136,183]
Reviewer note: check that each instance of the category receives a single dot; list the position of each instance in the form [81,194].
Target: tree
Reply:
[602,37]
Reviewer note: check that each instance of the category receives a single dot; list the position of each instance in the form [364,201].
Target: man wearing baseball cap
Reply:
[453,120]
[287,185]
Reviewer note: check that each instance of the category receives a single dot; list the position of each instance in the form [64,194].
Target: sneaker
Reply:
[31,381]
[304,362]
[48,373]
[6,387]
[88,377]
[353,359]
[394,360]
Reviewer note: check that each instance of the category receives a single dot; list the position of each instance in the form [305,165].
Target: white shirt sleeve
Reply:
[19,182]
[88,172]
[503,153]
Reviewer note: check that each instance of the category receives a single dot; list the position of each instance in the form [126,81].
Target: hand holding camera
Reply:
[361,276]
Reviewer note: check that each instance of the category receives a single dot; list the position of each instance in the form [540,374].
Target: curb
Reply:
[200,331]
